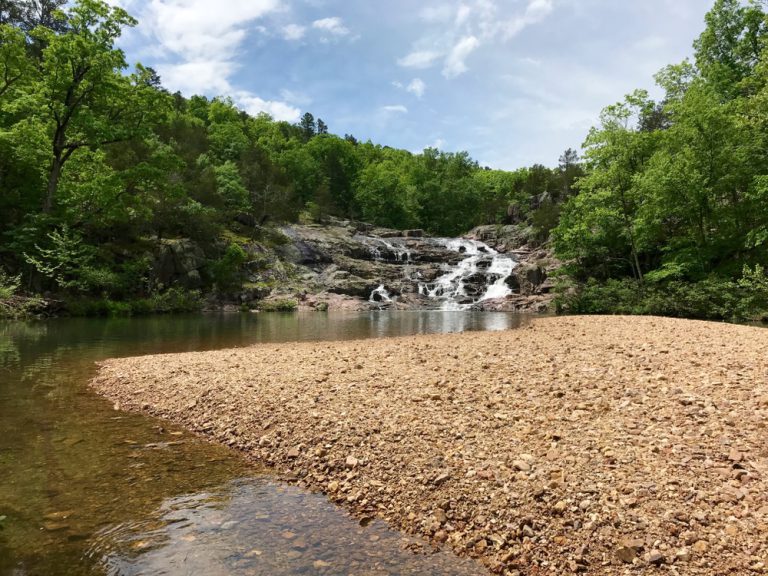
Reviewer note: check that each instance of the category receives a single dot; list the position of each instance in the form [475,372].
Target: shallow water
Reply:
[87,490]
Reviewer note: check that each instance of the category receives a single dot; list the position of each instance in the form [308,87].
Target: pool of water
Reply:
[87,490]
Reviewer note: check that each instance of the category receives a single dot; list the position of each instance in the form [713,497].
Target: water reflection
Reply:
[256,527]
[73,468]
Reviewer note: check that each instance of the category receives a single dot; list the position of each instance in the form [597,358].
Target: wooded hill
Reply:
[99,164]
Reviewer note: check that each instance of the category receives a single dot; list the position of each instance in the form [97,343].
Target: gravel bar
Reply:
[597,445]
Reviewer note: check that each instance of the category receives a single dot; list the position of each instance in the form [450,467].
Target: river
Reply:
[87,490]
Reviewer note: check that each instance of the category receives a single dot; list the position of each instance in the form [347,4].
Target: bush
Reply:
[174,300]
[177,300]
[9,285]
[14,305]
[227,271]
[709,299]
[279,306]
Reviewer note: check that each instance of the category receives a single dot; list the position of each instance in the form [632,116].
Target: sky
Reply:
[513,82]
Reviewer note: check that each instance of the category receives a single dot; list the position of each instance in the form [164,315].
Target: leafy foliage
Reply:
[100,167]
[674,194]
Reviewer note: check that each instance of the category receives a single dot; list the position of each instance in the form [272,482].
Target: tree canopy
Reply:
[100,165]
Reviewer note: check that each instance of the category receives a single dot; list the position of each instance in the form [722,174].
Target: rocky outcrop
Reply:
[179,262]
[376,267]
[532,280]
[353,265]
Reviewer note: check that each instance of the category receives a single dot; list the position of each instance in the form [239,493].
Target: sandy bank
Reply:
[596,445]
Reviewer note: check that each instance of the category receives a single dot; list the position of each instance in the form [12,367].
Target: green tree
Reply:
[308,126]
[604,214]
[79,90]
[730,46]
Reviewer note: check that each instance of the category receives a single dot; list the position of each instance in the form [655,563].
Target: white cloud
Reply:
[196,29]
[460,28]
[278,110]
[440,13]
[333,25]
[395,109]
[534,13]
[417,87]
[538,9]
[297,98]
[455,62]
[463,14]
[294,32]
[196,77]
[198,42]
[419,59]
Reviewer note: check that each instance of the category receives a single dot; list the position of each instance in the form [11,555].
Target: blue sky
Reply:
[513,82]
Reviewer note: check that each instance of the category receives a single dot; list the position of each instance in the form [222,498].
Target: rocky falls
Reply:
[357,266]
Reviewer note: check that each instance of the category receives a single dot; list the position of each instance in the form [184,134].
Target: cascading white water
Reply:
[482,263]
[380,296]
[386,250]
[482,275]
[402,253]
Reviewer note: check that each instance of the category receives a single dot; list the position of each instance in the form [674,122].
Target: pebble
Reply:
[560,507]
[700,547]
[521,465]
[644,426]
[655,557]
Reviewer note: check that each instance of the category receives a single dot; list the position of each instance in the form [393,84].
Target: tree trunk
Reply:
[53,182]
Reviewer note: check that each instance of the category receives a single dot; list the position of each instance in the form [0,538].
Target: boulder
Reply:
[179,262]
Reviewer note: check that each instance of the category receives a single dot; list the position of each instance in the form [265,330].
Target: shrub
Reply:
[14,305]
[227,271]
[279,306]
[710,299]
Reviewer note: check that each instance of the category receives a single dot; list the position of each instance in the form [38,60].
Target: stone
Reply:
[683,555]
[700,547]
[560,507]
[521,465]
[352,462]
[293,453]
[629,549]
[655,557]
[442,479]
[689,537]
[626,554]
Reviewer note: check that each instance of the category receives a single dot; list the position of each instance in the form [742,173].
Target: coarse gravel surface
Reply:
[597,445]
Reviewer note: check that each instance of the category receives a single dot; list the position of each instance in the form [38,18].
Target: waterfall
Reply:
[386,250]
[380,296]
[481,276]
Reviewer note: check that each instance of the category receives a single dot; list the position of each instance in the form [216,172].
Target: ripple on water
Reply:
[85,489]
[254,527]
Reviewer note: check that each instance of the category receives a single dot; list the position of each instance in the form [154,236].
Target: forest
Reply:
[665,211]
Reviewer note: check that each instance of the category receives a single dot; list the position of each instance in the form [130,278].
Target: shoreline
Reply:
[577,444]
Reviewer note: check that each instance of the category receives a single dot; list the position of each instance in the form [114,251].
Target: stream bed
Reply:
[87,490]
